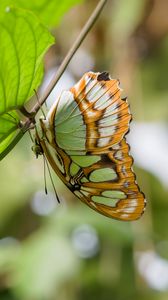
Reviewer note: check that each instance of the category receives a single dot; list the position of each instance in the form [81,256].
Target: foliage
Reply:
[24,41]
[23,44]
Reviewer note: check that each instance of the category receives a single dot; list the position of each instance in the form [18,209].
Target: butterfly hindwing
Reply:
[85,144]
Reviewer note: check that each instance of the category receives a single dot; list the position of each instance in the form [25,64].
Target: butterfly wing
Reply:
[84,142]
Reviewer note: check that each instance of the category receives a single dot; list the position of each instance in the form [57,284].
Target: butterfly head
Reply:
[38,136]
[36,148]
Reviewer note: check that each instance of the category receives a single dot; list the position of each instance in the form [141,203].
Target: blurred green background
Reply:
[66,251]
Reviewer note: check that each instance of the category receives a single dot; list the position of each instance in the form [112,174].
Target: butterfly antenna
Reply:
[37,97]
[31,136]
[46,162]
[45,180]
[45,103]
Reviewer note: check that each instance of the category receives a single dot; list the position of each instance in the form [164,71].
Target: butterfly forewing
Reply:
[84,140]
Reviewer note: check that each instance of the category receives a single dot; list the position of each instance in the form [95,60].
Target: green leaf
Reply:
[8,124]
[50,12]
[9,142]
[23,43]
[9,130]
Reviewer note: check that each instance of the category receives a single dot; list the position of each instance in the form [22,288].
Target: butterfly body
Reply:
[83,138]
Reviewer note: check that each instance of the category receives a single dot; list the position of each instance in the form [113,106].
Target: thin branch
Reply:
[26,113]
[31,115]
[70,54]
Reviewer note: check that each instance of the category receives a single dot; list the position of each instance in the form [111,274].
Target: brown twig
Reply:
[89,24]
[30,115]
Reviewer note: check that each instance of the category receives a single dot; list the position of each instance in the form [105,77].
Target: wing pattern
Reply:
[84,141]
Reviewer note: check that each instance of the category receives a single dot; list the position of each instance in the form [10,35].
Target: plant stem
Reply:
[94,16]
[30,115]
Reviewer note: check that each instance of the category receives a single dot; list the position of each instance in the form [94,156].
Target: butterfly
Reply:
[83,138]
